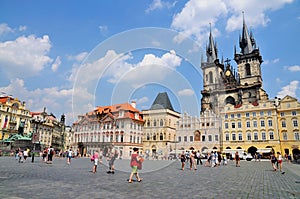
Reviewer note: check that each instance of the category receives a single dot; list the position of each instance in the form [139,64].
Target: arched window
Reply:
[161,137]
[230,100]
[148,123]
[161,122]
[248,70]
[148,136]
[197,136]
[154,123]
[210,77]
[154,136]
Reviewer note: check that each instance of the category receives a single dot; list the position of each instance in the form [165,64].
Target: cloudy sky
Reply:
[71,56]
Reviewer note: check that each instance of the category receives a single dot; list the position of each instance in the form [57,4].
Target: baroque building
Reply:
[14,117]
[118,126]
[160,127]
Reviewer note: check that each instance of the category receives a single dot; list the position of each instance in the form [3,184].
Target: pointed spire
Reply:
[245,41]
[211,49]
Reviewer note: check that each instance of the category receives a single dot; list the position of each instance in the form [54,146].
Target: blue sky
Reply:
[71,56]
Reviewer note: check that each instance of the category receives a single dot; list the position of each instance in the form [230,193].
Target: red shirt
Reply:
[134,161]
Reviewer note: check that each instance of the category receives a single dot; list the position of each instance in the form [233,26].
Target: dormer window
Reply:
[121,113]
[136,116]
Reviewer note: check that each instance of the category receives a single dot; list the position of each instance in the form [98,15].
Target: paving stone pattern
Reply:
[161,179]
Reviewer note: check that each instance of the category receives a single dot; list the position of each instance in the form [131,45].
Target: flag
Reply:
[5,121]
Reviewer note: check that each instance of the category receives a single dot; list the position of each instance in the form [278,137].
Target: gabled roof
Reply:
[162,101]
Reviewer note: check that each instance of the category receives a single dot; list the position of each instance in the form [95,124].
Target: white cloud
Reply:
[56,64]
[79,58]
[159,5]
[186,92]
[289,89]
[54,99]
[4,28]
[294,68]
[195,17]
[255,12]
[143,100]
[25,56]
[22,28]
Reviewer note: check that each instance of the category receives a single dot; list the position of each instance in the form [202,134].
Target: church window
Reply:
[248,70]
[210,77]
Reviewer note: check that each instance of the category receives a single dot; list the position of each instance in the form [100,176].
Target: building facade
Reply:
[14,117]
[249,119]
[117,126]
[160,127]
[198,133]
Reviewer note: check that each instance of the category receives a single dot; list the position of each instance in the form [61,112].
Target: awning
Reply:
[264,150]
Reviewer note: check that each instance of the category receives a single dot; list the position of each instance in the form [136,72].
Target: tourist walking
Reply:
[111,161]
[50,154]
[237,159]
[192,161]
[198,156]
[273,161]
[182,160]
[25,155]
[135,163]
[279,161]
[95,159]
[20,156]
[69,156]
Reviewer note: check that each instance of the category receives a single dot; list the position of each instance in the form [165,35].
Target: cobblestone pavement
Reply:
[161,179]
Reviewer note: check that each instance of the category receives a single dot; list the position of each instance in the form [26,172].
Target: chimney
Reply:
[133,104]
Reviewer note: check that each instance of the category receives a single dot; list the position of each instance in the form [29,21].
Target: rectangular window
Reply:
[248,124]
[294,113]
[238,115]
[233,125]
[295,123]
[269,113]
[239,124]
[263,136]
[255,136]
[191,138]
[282,114]
[240,136]
[261,113]
[297,136]
[248,136]
[185,138]
[227,137]
[232,116]
[262,123]
[284,136]
[216,137]
[226,125]
[254,123]
[271,134]
[254,114]
[270,122]
[233,137]
[283,123]
[247,114]
[179,138]
[209,138]
[226,116]
[203,138]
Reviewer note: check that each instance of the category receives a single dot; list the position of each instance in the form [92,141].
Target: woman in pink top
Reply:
[95,159]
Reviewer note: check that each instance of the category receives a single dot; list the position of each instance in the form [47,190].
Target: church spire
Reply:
[211,49]
[246,42]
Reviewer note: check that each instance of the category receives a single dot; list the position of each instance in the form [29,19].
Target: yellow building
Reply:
[160,127]
[14,117]
[288,114]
